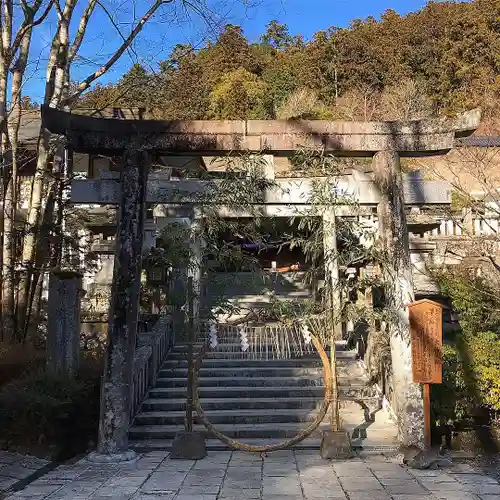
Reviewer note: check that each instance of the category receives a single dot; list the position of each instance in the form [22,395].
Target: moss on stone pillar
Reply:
[124,308]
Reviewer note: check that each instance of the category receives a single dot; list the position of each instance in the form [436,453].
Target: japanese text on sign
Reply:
[426,324]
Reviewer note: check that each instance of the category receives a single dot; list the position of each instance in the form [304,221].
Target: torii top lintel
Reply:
[410,138]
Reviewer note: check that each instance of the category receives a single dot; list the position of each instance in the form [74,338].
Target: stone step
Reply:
[257,381]
[351,391]
[256,431]
[236,347]
[249,372]
[260,349]
[235,362]
[178,404]
[234,337]
[253,431]
[145,445]
[175,368]
[230,403]
[342,356]
[234,416]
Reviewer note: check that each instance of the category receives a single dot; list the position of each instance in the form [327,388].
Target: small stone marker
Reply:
[63,321]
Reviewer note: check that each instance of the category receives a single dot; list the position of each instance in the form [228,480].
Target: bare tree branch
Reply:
[125,45]
[61,66]
[82,28]
[7,26]
[29,23]
[58,9]
[110,17]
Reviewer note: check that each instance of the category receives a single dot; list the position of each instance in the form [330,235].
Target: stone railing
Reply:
[151,351]
[458,227]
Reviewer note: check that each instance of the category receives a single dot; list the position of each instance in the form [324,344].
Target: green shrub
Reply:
[471,378]
[44,408]
[474,298]
[480,355]
[450,400]
[471,366]
[16,359]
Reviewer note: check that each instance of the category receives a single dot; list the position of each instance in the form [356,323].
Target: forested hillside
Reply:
[441,59]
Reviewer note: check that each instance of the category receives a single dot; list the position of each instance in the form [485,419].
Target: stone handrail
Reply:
[151,351]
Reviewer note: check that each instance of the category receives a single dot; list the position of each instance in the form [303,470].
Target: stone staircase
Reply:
[259,398]
[250,291]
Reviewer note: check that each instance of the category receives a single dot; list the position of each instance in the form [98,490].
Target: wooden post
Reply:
[427,415]
[334,298]
[189,445]
[124,312]
[190,363]
[399,292]
[335,417]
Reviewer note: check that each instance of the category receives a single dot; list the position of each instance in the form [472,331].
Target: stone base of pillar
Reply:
[128,456]
[336,445]
[188,446]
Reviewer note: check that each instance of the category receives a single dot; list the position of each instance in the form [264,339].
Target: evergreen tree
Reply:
[448,50]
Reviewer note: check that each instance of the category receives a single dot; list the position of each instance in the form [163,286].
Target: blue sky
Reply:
[303,17]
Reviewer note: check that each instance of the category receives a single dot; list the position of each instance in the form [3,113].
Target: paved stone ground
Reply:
[241,476]
[15,467]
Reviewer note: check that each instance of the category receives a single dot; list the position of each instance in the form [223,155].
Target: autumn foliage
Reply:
[440,59]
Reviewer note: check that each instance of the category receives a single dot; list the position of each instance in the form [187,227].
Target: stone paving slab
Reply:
[15,467]
[300,475]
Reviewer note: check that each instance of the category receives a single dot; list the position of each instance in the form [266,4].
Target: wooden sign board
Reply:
[426,325]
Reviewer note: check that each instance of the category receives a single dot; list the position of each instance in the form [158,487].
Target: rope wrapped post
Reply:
[335,418]
[335,442]
[332,327]
[189,405]
[190,444]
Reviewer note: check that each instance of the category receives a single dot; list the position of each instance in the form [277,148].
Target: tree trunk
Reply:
[33,222]
[14,123]
[57,227]
[9,262]
[4,174]
[38,266]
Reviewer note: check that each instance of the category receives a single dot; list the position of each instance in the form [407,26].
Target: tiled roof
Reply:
[480,141]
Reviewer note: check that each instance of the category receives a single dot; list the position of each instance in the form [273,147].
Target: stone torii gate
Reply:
[385,142]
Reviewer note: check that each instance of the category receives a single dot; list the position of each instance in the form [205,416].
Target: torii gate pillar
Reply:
[124,312]
[407,397]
